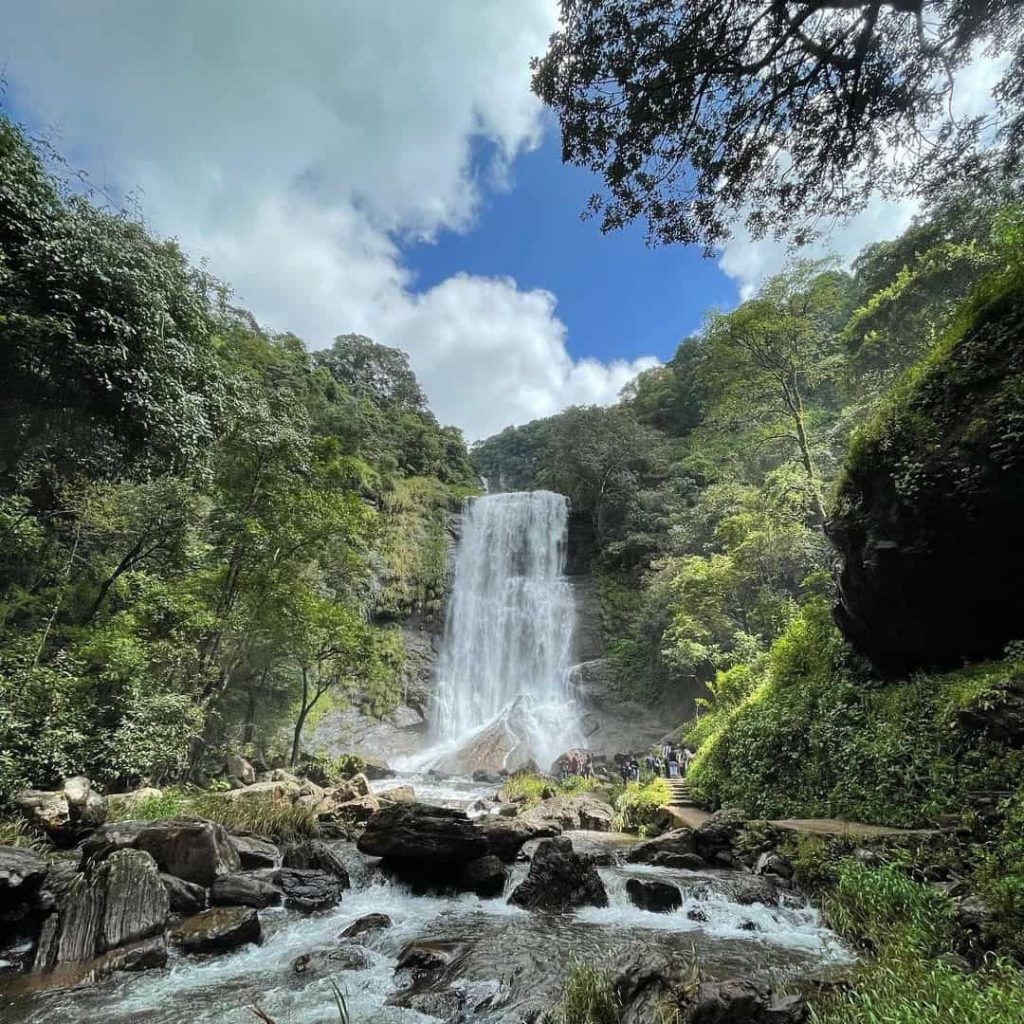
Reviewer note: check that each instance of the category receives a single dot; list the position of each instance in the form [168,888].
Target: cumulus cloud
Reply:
[295,147]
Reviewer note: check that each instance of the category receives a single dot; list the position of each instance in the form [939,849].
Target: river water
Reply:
[506,961]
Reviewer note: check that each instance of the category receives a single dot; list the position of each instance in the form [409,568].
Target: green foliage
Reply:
[637,806]
[811,740]
[528,789]
[202,526]
[902,988]
[588,997]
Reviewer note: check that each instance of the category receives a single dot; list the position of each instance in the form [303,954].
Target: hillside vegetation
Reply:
[207,531]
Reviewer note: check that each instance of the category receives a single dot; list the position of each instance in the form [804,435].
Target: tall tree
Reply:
[697,111]
[766,356]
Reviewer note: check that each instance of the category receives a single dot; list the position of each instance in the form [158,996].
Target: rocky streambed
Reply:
[468,919]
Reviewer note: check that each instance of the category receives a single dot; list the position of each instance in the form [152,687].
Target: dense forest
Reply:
[207,529]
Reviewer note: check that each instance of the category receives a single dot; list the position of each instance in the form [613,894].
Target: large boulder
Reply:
[560,879]
[507,836]
[366,925]
[113,903]
[244,890]
[198,851]
[239,769]
[928,509]
[679,842]
[185,897]
[486,876]
[315,854]
[116,835]
[650,894]
[217,930]
[742,1001]
[421,835]
[21,874]
[254,852]
[582,811]
[65,815]
[308,890]
[718,834]
[285,791]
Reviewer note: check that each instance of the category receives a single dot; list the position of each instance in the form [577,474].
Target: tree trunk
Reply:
[796,408]
[301,720]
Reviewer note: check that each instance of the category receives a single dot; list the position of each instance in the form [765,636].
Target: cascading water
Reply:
[503,693]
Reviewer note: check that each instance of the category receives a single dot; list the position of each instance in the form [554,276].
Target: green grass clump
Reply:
[811,740]
[277,819]
[637,805]
[587,998]
[901,988]
[527,788]
[15,831]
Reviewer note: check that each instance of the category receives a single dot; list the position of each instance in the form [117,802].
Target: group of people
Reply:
[673,763]
[578,762]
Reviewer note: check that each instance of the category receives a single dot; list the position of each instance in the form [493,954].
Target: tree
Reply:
[782,111]
[373,371]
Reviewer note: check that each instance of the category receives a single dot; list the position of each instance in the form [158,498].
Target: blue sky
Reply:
[618,297]
[295,149]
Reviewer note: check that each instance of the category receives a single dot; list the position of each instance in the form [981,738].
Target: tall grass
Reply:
[638,803]
[588,997]
[527,789]
[271,818]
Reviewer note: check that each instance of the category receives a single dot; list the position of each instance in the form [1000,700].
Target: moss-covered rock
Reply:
[928,511]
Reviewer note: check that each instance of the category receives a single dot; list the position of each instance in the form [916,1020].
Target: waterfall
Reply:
[502,685]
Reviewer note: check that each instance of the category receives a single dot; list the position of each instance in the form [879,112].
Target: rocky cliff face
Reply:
[927,517]
[404,729]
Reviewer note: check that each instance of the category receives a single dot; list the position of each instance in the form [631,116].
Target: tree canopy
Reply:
[777,112]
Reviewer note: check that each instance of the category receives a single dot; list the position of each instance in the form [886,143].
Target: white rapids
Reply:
[503,693]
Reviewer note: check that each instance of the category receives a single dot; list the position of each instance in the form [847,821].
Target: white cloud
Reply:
[295,146]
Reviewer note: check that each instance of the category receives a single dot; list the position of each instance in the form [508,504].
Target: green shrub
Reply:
[637,805]
[902,988]
[813,740]
[882,906]
[587,998]
[527,788]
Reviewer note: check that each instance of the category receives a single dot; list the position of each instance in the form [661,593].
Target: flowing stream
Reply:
[503,697]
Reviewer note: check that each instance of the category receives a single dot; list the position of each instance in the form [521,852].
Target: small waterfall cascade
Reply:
[503,676]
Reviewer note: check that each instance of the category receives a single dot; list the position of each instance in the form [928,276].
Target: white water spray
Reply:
[503,678]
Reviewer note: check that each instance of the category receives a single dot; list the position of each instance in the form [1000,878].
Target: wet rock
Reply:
[678,861]
[739,888]
[659,897]
[254,852]
[185,897]
[217,930]
[113,903]
[418,835]
[488,776]
[315,855]
[236,767]
[358,811]
[198,851]
[583,811]
[486,876]
[742,1001]
[678,842]
[508,810]
[65,815]
[21,874]
[308,891]
[645,984]
[774,864]
[243,890]
[375,770]
[719,833]
[323,963]
[423,961]
[443,1004]
[560,879]
[117,835]
[506,836]
[366,924]
[399,794]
